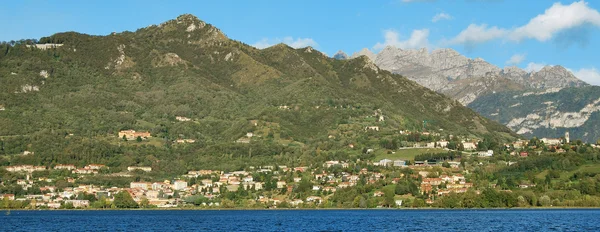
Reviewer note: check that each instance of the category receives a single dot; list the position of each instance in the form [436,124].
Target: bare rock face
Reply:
[554,77]
[168,59]
[364,52]
[448,72]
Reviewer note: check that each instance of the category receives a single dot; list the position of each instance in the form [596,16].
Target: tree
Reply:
[145,203]
[545,201]
[389,198]
[138,139]
[124,200]
[446,164]
[124,138]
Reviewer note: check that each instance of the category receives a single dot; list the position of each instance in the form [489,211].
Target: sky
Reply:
[527,34]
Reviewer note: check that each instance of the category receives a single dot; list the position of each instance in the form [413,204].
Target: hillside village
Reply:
[416,182]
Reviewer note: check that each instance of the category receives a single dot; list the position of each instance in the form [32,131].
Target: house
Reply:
[53,205]
[95,166]
[443,143]
[296,202]
[10,197]
[84,171]
[258,185]
[433,181]
[133,168]
[140,185]
[78,203]
[44,46]
[469,146]
[488,153]
[180,185]
[373,128]
[182,119]
[25,168]
[548,141]
[315,199]
[426,188]
[398,203]
[232,187]
[300,169]
[133,135]
[329,189]
[281,184]
[399,163]
[344,185]
[378,194]
[330,163]
[385,162]
[523,154]
[185,141]
[65,167]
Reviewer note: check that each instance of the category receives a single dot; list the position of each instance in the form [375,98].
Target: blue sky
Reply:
[528,34]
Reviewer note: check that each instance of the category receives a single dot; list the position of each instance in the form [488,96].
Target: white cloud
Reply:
[589,75]
[516,59]
[441,16]
[534,67]
[417,39]
[290,41]
[555,19]
[475,34]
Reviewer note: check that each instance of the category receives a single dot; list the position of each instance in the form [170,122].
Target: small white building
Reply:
[180,185]
[488,153]
[386,162]
[469,146]
[399,163]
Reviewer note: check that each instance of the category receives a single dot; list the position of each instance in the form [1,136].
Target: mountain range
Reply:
[479,84]
[465,79]
[72,88]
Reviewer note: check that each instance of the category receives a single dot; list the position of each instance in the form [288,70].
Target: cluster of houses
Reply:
[444,184]
[211,183]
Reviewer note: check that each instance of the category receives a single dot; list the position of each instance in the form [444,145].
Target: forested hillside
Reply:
[184,79]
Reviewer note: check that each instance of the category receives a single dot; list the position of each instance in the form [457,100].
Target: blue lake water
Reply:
[303,220]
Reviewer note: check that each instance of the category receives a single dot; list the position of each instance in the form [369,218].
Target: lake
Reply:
[303,220]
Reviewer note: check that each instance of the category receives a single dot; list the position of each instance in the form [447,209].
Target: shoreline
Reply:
[309,209]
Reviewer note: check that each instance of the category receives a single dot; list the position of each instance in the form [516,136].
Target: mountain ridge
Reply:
[441,68]
[294,100]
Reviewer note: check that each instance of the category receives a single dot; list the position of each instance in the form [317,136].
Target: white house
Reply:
[399,163]
[179,185]
[385,162]
[488,153]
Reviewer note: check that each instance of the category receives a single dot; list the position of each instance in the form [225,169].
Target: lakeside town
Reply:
[386,182]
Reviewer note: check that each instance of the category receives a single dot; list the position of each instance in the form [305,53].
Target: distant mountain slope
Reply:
[548,113]
[445,70]
[94,86]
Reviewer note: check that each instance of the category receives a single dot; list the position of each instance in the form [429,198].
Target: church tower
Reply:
[567,139]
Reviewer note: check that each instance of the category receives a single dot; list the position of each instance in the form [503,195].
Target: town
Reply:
[415,182]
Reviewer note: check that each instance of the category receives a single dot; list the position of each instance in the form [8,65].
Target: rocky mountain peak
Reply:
[340,55]
[364,52]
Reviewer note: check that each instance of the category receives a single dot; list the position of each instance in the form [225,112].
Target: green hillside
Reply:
[67,104]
